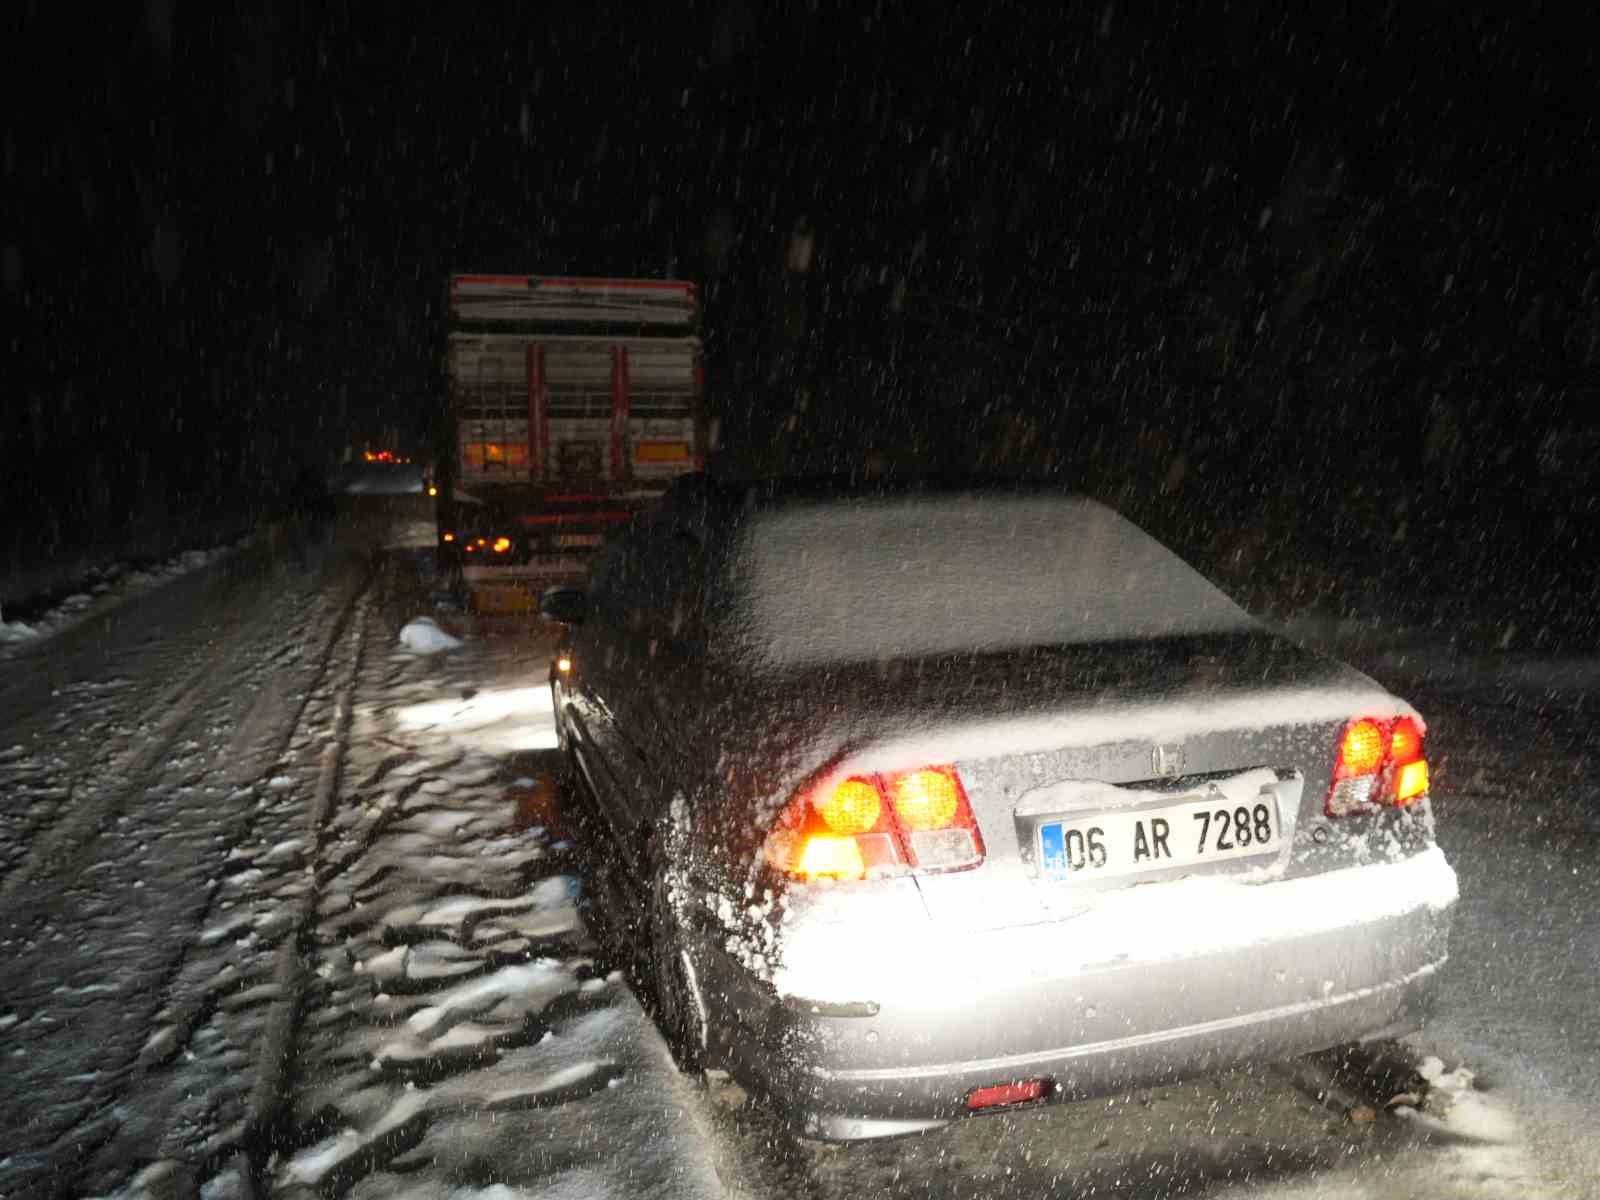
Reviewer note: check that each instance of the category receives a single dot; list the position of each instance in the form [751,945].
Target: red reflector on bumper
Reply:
[1008,1093]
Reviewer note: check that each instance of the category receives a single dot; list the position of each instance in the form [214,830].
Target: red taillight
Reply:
[1405,742]
[1008,1093]
[1379,762]
[846,829]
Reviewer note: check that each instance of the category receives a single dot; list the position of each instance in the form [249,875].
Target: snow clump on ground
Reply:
[422,635]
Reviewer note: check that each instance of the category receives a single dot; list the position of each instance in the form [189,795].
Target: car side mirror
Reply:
[564,605]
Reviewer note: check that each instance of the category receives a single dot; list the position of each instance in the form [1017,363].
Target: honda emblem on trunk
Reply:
[1167,761]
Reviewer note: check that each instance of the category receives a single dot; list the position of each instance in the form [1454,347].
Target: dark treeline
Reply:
[1263,276]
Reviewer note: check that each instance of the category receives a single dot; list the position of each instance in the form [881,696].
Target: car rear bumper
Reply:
[925,1031]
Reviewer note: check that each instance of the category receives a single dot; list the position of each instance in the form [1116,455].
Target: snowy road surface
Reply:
[289,909]
[143,750]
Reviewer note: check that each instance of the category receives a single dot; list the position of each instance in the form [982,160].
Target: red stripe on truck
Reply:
[699,421]
[641,285]
[496,280]
[538,424]
[619,413]
[574,518]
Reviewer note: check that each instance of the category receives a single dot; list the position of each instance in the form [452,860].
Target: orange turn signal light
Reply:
[1411,781]
[925,799]
[852,807]
[1361,751]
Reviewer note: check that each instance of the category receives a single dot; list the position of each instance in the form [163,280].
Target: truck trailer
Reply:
[571,404]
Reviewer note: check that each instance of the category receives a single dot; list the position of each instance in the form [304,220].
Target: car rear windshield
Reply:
[859,580]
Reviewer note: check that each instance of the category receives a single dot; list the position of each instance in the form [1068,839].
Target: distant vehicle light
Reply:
[432,491]
[563,664]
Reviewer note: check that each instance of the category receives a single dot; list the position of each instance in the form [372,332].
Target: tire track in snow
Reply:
[269,1097]
[86,810]
[96,1137]
[75,701]
[245,1001]
[60,841]
[459,1027]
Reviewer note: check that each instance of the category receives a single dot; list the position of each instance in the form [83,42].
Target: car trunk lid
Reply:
[1169,759]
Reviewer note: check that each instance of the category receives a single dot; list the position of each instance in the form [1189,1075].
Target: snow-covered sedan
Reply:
[936,801]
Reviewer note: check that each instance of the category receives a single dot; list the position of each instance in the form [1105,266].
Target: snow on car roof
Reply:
[866,578]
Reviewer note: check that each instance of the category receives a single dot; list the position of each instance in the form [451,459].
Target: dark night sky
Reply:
[1094,238]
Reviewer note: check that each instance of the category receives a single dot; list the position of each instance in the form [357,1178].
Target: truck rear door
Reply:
[662,398]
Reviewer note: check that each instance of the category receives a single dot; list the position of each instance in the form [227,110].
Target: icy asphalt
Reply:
[289,909]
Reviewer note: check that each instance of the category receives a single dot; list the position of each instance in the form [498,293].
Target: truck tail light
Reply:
[1378,763]
[846,829]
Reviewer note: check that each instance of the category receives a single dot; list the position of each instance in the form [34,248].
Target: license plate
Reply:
[577,539]
[1107,845]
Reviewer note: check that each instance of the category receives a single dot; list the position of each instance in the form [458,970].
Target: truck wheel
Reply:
[679,1008]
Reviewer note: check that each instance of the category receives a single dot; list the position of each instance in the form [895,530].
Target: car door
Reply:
[648,701]
[635,673]
[602,650]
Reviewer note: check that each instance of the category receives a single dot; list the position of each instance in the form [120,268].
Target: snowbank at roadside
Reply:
[16,631]
[107,586]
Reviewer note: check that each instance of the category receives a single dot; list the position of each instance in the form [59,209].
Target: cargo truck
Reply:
[571,404]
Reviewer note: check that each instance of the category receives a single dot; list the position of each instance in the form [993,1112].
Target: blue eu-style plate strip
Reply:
[1053,851]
